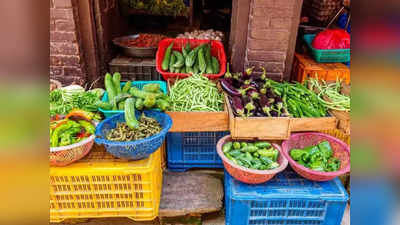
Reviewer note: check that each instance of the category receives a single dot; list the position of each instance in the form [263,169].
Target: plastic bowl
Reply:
[133,150]
[246,175]
[301,140]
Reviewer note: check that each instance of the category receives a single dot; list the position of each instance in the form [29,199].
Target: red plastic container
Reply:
[246,175]
[301,140]
[217,50]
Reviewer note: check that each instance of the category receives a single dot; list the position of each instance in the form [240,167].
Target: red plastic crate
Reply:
[217,50]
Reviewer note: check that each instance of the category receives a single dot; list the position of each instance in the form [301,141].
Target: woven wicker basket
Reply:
[65,155]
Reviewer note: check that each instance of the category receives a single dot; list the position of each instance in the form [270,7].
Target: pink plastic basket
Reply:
[301,140]
[217,50]
[249,176]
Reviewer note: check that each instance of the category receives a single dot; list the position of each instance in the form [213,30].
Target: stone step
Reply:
[190,193]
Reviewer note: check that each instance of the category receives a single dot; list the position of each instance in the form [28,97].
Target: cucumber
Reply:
[184,52]
[126,87]
[187,47]
[183,69]
[130,117]
[215,64]
[117,82]
[189,69]
[190,59]
[167,56]
[179,59]
[171,62]
[139,104]
[109,84]
[202,61]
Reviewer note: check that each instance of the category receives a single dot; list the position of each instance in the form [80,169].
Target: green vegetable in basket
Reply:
[227,147]
[149,101]
[317,157]
[166,61]
[247,154]
[88,126]
[130,116]
[151,87]
[109,84]
[179,59]
[126,87]
[134,91]
[215,65]
[162,104]
[139,104]
[117,82]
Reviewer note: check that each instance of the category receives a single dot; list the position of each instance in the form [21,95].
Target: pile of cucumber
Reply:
[190,61]
[149,97]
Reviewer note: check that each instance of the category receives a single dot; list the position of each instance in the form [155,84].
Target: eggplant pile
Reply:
[251,94]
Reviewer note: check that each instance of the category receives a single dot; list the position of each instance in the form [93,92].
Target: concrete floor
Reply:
[209,221]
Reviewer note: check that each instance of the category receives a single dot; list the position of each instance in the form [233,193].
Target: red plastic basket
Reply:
[217,50]
[301,140]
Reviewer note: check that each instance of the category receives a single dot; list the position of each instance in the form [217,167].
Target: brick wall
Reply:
[66,64]
[271,35]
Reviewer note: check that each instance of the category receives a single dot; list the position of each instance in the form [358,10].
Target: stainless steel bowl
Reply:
[142,52]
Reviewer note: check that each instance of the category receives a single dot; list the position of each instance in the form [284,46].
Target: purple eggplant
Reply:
[253,93]
[228,73]
[229,88]
[249,71]
[250,108]
[265,105]
[264,74]
[237,106]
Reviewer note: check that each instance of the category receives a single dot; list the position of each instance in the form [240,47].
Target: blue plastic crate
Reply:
[187,150]
[287,199]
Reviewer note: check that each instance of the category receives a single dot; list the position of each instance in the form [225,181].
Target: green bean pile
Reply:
[337,101]
[196,93]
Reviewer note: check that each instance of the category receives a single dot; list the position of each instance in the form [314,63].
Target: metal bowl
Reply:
[141,52]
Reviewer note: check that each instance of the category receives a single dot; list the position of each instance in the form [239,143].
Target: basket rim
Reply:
[69,147]
[281,167]
[100,140]
[310,171]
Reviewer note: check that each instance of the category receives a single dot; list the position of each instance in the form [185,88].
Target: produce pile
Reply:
[209,34]
[75,127]
[190,61]
[254,95]
[330,94]
[64,99]
[195,93]
[159,7]
[144,40]
[258,155]
[133,129]
[150,97]
[317,157]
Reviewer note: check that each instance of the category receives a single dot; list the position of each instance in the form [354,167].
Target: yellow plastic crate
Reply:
[338,134]
[102,186]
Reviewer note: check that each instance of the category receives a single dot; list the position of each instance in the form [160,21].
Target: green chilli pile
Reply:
[196,94]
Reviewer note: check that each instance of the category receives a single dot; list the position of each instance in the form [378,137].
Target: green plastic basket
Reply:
[138,84]
[328,55]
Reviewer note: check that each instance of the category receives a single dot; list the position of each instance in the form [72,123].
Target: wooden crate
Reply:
[312,124]
[262,128]
[198,121]
[274,128]
[305,67]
